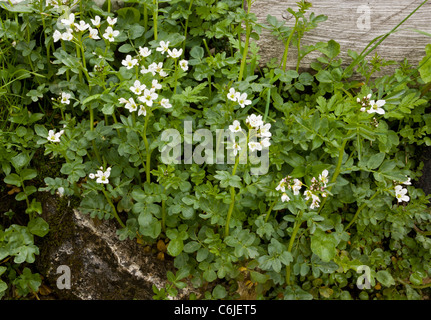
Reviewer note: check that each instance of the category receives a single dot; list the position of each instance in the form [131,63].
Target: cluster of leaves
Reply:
[275,248]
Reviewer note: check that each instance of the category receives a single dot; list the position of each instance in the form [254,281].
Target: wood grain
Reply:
[345,24]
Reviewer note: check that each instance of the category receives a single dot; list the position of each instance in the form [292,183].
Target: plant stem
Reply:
[298,223]
[147,147]
[155,16]
[164,216]
[113,208]
[359,210]
[186,26]
[232,200]
[247,40]
[268,213]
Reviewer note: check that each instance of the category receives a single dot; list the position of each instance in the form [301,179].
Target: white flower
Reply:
[175,53]
[129,63]
[65,98]
[184,64]
[111,21]
[376,106]
[153,68]
[264,130]
[235,147]
[122,100]
[162,73]
[102,177]
[56,36]
[254,121]
[407,182]
[163,47]
[53,136]
[155,85]
[144,52]
[324,177]
[282,185]
[285,198]
[148,97]
[96,21]
[110,34]
[235,127]
[82,26]
[254,146]
[142,110]
[137,87]
[91,176]
[296,187]
[69,21]
[315,202]
[265,143]
[158,67]
[308,194]
[400,194]
[232,95]
[165,103]
[67,36]
[242,100]
[131,105]
[94,34]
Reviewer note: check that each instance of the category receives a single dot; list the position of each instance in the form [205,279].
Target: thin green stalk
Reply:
[246,44]
[186,26]
[232,200]
[164,216]
[147,147]
[298,223]
[114,211]
[176,76]
[155,16]
[359,210]
[268,213]
[145,17]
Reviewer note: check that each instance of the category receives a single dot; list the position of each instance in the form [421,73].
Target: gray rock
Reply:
[101,267]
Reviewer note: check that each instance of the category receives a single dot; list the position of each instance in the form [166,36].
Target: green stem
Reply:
[164,216]
[359,210]
[245,51]
[186,26]
[145,17]
[268,213]
[147,148]
[298,223]
[176,76]
[232,200]
[113,208]
[155,16]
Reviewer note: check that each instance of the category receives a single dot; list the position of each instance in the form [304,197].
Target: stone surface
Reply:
[101,266]
[347,24]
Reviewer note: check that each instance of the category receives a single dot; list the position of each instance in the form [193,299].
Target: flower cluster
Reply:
[102,176]
[255,122]
[372,105]
[312,193]
[239,97]
[71,27]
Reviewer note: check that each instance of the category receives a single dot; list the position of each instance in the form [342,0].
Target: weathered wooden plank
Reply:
[353,24]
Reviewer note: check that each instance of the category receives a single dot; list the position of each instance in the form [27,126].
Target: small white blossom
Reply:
[236,147]
[324,177]
[56,36]
[148,97]
[96,21]
[142,110]
[235,126]
[94,34]
[129,63]
[53,136]
[69,21]
[296,187]
[155,85]
[164,46]
[376,106]
[254,121]
[265,143]
[102,177]
[165,103]
[175,53]
[82,26]
[407,182]
[65,98]
[131,105]
[264,130]
[110,34]
[144,52]
[242,99]
[282,185]
[67,36]
[91,175]
[111,21]
[254,146]
[162,73]
[122,100]
[285,197]
[184,64]
[401,194]
[232,95]
[315,203]
[137,87]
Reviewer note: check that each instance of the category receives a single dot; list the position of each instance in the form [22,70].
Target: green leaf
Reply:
[38,227]
[385,278]
[20,160]
[375,160]
[324,245]
[324,76]
[425,69]
[28,174]
[175,247]
[13,179]
[219,292]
